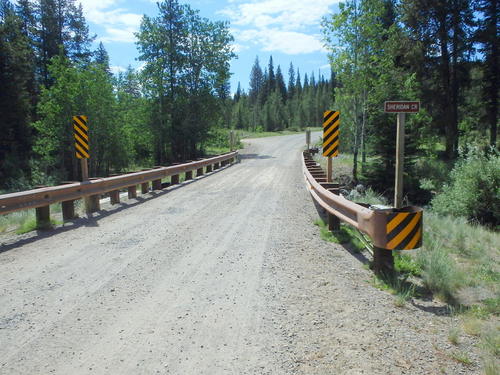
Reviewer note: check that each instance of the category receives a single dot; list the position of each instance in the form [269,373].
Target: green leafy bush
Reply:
[474,189]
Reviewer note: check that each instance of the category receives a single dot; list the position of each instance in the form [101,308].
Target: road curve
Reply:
[223,275]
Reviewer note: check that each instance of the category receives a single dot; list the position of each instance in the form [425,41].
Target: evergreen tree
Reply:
[280,84]
[256,81]
[487,36]
[16,74]
[291,82]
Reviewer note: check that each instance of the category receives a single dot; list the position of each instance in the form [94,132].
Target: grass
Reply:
[454,336]
[461,357]
[345,236]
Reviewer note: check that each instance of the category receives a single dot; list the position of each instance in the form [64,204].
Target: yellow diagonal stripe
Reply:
[82,124]
[414,240]
[82,151]
[77,129]
[85,144]
[402,235]
[395,221]
[326,123]
[332,129]
[332,148]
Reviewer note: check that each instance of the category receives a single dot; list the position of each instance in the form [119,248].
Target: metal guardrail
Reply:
[42,198]
[389,228]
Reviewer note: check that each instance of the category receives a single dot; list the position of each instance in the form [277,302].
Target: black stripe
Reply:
[327,117]
[75,125]
[400,227]
[326,128]
[337,114]
[82,119]
[334,150]
[83,146]
[409,237]
[330,143]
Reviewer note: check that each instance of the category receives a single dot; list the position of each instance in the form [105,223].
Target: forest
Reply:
[179,105]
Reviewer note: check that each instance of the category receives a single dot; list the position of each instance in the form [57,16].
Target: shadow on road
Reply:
[256,156]
[92,220]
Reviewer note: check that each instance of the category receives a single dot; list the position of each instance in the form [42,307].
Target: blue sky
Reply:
[289,30]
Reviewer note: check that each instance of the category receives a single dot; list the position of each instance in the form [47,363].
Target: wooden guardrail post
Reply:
[68,207]
[132,191]
[68,210]
[189,175]
[114,196]
[144,187]
[209,168]
[43,217]
[174,180]
[333,221]
[199,172]
[383,261]
[156,184]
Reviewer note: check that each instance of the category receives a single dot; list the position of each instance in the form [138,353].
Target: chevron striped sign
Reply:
[404,230]
[331,124]
[81,134]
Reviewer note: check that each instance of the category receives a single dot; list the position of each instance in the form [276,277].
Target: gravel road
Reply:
[224,275]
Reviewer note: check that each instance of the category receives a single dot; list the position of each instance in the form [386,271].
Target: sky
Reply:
[289,30]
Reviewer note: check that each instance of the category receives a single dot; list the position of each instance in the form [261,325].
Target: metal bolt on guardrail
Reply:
[66,193]
[389,228]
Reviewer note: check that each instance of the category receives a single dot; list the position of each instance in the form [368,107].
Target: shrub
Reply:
[474,190]
[440,273]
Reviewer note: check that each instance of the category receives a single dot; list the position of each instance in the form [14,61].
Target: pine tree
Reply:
[280,84]
[487,35]
[16,73]
[291,82]
[256,81]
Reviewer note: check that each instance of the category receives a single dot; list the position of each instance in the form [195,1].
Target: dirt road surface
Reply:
[223,275]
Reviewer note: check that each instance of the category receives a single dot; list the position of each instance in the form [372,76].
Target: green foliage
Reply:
[440,272]
[474,190]
[406,264]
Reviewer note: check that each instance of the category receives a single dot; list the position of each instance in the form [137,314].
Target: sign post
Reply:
[308,138]
[331,131]
[331,124]
[401,108]
[81,135]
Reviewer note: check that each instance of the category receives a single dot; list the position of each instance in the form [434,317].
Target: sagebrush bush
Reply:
[474,189]
[440,273]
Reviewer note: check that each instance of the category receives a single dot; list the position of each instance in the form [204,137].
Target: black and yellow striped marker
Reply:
[81,133]
[331,124]
[404,230]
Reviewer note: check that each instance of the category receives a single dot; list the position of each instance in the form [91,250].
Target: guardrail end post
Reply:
[114,196]
[132,192]
[189,175]
[144,187]
[68,210]
[383,262]
[43,217]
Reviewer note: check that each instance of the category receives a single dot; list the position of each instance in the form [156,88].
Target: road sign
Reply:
[401,107]
[81,134]
[331,124]
[404,230]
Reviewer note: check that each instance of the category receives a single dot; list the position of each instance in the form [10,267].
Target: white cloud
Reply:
[289,42]
[288,26]
[119,24]
[115,69]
